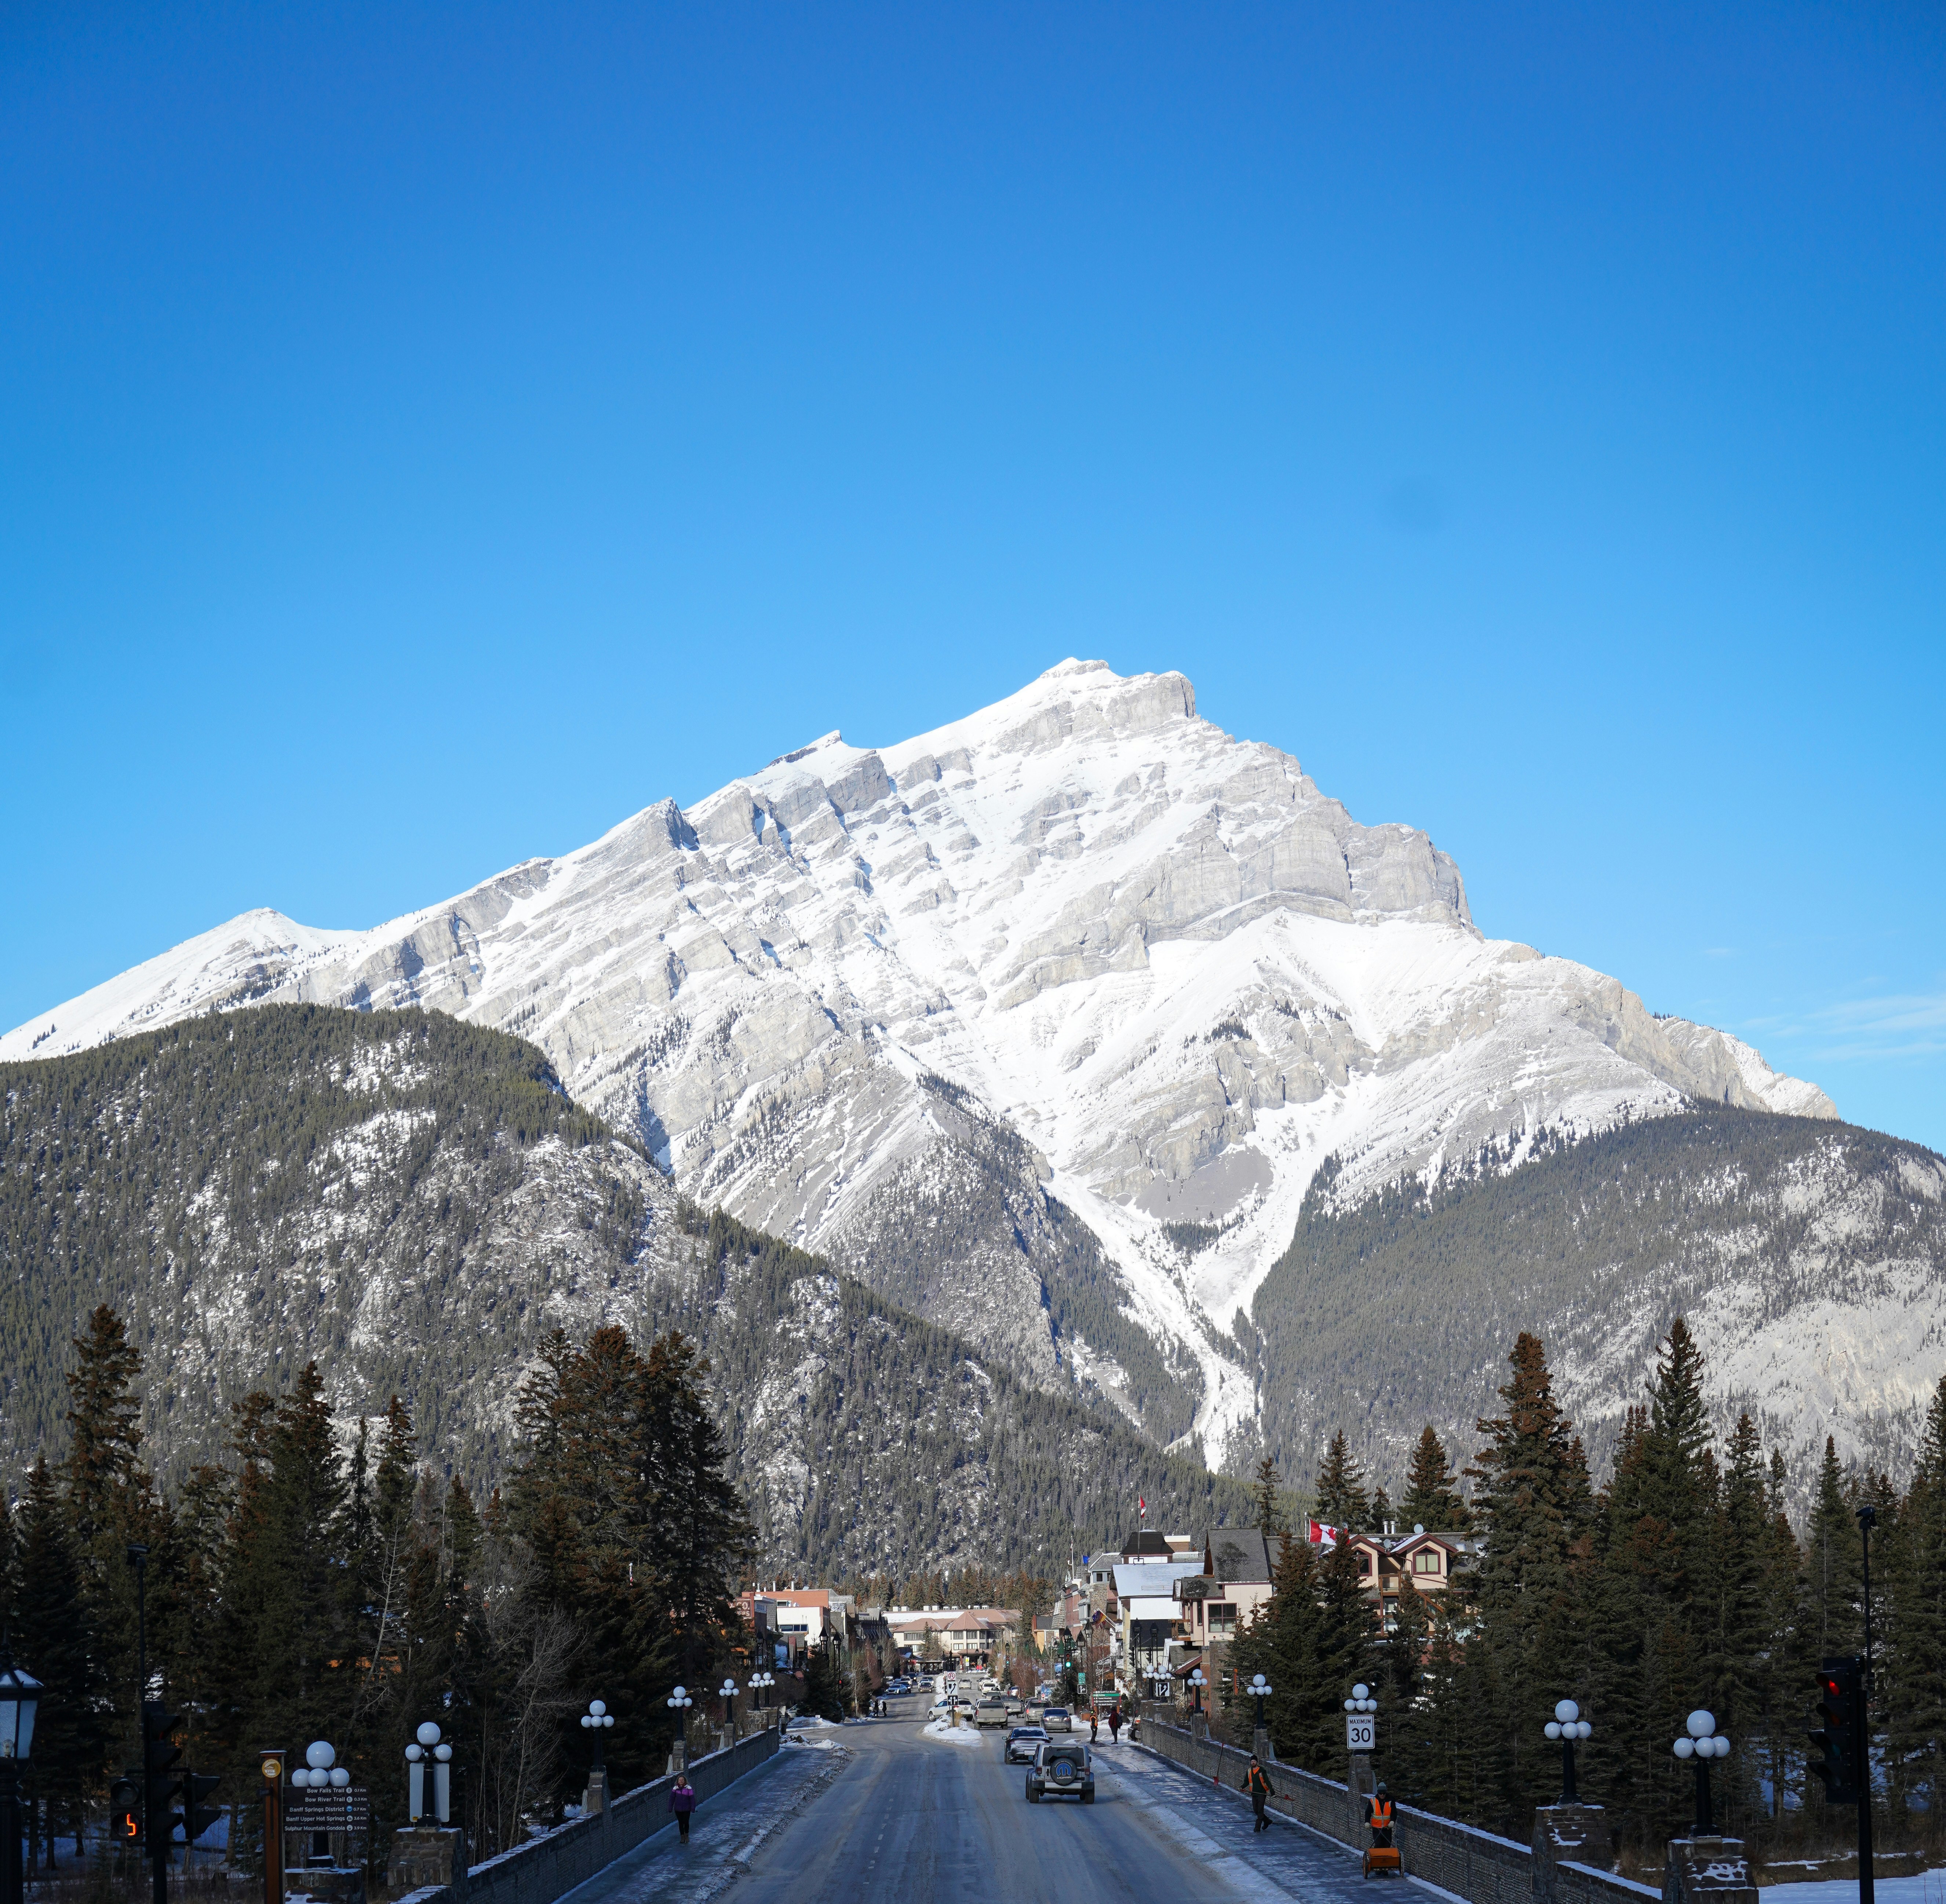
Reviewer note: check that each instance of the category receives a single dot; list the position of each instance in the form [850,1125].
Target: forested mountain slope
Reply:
[414,1202]
[1809,1257]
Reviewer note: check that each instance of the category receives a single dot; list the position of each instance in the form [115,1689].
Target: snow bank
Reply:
[950,1734]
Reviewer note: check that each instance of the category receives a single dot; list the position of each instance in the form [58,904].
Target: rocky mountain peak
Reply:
[1180,975]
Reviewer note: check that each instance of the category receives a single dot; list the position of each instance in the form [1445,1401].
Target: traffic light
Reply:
[195,1817]
[159,1781]
[125,1816]
[1842,1702]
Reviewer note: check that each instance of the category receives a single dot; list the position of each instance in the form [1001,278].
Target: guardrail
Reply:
[548,1867]
[1476,1866]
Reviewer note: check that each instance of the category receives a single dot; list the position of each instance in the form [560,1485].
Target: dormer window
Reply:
[1364,1562]
[1426,1560]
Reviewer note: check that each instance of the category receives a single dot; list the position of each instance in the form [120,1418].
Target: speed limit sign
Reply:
[1360,1731]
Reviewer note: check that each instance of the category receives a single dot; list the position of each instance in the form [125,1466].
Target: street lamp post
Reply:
[1567,1725]
[1197,1682]
[1702,1742]
[19,1699]
[760,1684]
[320,1771]
[596,1720]
[727,1693]
[1259,1689]
[426,1746]
[679,1703]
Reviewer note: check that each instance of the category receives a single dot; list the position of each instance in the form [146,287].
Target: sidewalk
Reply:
[1215,1824]
[724,1835]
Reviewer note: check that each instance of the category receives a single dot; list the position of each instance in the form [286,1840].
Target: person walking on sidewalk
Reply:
[682,1802]
[1257,1783]
[1115,1724]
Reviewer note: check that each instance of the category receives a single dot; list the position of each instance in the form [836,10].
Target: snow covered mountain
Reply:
[1081,961]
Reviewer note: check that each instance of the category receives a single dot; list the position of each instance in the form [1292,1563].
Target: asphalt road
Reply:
[907,1817]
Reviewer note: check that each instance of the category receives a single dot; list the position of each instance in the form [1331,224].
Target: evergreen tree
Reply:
[104,1426]
[1432,1497]
[288,1591]
[1914,1700]
[1311,1640]
[823,1686]
[1281,1642]
[1264,1486]
[1442,1757]
[110,1502]
[699,1534]
[1531,1497]
[1834,1586]
[1342,1500]
[1738,1633]
[1676,1474]
[55,1637]
[196,1635]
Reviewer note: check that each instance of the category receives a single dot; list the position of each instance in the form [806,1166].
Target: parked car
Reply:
[1023,1743]
[1056,1718]
[1062,1771]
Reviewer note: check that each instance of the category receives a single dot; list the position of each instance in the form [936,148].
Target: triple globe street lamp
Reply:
[426,1748]
[679,1703]
[1567,1726]
[320,1769]
[1259,1689]
[1701,1742]
[596,1720]
[1197,1682]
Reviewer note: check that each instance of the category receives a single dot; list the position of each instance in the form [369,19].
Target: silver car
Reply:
[1062,1771]
[1056,1719]
[1023,1743]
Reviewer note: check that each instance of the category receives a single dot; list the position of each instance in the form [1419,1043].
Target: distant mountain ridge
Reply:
[1806,1255]
[1079,963]
[414,1202]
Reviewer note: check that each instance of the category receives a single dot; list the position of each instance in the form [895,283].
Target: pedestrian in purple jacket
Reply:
[682,1802]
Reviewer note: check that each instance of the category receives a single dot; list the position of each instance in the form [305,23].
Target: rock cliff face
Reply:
[1156,961]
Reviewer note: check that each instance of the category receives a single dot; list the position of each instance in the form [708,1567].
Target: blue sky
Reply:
[431,433]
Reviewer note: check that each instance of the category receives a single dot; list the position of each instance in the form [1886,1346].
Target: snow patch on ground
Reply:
[951,1734]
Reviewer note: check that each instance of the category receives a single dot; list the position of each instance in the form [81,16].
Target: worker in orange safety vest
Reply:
[1379,1816]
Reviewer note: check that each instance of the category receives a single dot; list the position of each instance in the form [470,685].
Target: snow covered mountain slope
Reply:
[1157,955]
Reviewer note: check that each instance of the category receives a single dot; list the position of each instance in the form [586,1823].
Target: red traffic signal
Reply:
[1841,1742]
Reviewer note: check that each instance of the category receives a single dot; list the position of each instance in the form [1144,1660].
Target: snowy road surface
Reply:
[889,1815]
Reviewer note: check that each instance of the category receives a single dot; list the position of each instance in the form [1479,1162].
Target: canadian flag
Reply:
[1322,1534]
[1141,1506]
